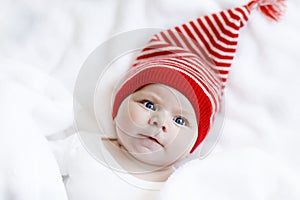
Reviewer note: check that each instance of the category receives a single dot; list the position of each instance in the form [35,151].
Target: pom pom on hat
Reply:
[271,8]
[195,58]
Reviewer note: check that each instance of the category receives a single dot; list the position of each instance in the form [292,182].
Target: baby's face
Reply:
[157,125]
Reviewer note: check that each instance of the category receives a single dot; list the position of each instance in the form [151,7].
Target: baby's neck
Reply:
[135,167]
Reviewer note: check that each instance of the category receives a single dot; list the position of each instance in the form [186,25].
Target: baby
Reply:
[165,104]
[158,106]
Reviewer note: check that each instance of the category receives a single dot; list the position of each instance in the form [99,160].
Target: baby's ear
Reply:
[110,128]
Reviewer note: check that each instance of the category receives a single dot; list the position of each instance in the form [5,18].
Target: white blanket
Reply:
[44,43]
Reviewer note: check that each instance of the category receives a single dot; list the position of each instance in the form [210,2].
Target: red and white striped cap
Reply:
[195,59]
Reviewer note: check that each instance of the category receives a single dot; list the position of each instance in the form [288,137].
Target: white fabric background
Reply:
[44,43]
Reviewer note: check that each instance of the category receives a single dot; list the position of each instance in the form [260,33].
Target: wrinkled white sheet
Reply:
[44,43]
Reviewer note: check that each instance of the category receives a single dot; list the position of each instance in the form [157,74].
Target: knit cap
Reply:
[195,59]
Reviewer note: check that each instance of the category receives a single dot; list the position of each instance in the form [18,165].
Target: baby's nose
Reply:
[159,120]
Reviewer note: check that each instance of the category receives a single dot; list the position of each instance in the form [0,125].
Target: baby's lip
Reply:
[152,138]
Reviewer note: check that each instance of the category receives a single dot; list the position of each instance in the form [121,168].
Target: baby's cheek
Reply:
[138,115]
[180,136]
[173,133]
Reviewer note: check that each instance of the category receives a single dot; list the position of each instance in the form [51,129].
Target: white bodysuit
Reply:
[86,177]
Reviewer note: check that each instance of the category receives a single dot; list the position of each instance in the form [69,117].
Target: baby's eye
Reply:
[180,120]
[149,105]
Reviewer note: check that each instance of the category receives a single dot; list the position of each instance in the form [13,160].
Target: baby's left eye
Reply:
[179,120]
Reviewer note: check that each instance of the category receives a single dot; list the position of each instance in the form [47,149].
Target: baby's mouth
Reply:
[152,139]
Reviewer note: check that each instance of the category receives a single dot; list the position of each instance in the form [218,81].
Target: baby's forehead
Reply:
[161,91]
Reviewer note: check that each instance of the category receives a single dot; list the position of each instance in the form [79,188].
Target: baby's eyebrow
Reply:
[152,95]
[183,112]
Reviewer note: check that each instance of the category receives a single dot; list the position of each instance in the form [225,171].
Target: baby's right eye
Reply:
[149,105]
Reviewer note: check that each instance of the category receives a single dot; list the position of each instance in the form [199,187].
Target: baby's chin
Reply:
[146,150]
[158,157]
